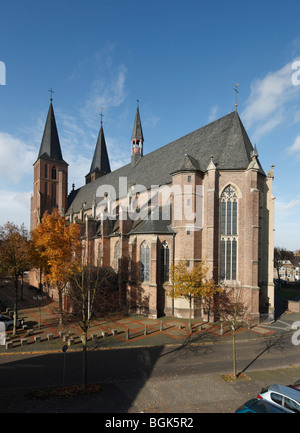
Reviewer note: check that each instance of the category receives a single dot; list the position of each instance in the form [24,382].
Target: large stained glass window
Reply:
[229,234]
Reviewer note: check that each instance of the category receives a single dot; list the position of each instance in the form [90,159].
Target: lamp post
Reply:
[39,298]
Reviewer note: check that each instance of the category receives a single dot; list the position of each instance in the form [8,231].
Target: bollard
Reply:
[9,345]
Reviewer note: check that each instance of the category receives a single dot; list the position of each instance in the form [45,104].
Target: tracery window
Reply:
[229,234]
[145,262]
[117,256]
[164,262]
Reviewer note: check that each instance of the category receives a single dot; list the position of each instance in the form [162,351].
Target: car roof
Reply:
[285,390]
[264,406]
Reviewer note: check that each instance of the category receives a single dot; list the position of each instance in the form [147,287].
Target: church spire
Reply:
[50,145]
[137,138]
[100,163]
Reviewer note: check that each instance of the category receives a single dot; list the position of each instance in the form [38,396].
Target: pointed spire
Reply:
[100,163]
[137,138]
[100,160]
[50,145]
[137,133]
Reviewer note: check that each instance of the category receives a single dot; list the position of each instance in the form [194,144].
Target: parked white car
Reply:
[9,322]
[282,396]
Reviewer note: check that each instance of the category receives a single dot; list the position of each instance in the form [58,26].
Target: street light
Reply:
[39,298]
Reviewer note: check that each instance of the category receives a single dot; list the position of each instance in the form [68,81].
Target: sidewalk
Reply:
[41,325]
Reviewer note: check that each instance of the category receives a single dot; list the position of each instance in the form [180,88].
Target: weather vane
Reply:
[51,91]
[236,92]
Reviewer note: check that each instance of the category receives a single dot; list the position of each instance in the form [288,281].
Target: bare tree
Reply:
[232,309]
[93,292]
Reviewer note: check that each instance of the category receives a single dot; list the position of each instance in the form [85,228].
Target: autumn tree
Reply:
[55,242]
[191,284]
[15,257]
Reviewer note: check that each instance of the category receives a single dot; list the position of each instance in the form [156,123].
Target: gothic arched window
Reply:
[145,262]
[54,173]
[117,256]
[229,234]
[164,262]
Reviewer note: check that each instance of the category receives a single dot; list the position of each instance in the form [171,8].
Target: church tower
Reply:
[100,164]
[137,139]
[50,182]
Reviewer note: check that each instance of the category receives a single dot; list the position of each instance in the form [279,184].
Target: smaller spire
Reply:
[137,138]
[137,133]
[100,163]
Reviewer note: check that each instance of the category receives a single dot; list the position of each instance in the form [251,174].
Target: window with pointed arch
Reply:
[145,262]
[229,234]
[164,262]
[117,256]
[53,172]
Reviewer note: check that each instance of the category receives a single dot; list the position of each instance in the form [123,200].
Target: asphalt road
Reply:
[142,379]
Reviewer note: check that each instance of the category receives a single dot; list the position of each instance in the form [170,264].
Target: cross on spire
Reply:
[51,91]
[101,114]
[236,92]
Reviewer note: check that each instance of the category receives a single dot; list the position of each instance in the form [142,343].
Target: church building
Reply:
[203,197]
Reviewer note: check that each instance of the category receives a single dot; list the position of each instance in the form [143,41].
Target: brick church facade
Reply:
[202,197]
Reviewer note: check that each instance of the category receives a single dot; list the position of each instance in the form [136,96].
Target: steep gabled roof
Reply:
[100,160]
[50,145]
[225,139]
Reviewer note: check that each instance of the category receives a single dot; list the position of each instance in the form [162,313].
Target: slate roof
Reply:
[50,145]
[100,160]
[225,139]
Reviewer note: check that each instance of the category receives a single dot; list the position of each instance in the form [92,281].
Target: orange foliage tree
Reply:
[56,243]
[192,284]
[15,257]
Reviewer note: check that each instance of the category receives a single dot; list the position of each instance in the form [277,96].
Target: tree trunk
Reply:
[84,359]
[234,352]
[60,302]
[16,306]
[190,313]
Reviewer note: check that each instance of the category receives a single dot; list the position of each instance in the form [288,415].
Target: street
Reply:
[158,379]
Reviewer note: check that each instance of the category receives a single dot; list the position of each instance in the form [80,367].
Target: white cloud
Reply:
[15,207]
[270,100]
[213,113]
[295,147]
[107,92]
[16,158]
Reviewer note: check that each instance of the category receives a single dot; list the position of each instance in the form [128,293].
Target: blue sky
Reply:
[180,59]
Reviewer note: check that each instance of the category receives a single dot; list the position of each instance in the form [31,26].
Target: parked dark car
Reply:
[256,405]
